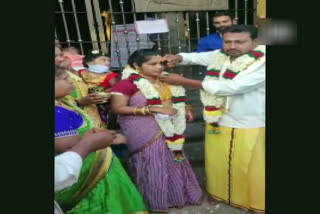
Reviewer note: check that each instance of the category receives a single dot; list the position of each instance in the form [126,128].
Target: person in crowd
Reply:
[100,80]
[220,20]
[80,93]
[233,96]
[212,42]
[72,54]
[152,116]
[103,185]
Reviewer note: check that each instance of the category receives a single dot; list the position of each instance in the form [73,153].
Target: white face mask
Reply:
[99,69]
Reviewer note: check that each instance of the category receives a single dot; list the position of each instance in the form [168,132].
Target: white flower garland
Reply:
[241,63]
[177,123]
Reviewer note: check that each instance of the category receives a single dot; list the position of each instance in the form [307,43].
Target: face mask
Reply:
[99,69]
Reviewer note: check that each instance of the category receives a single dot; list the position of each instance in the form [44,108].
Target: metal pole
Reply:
[246,12]
[178,32]
[255,12]
[169,44]
[135,19]
[77,26]
[236,10]
[158,37]
[207,23]
[101,32]
[55,33]
[188,30]
[114,34]
[91,24]
[198,25]
[64,21]
[125,26]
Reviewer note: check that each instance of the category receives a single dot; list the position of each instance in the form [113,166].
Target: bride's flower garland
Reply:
[214,105]
[172,128]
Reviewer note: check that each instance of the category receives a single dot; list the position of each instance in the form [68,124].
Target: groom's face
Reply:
[237,44]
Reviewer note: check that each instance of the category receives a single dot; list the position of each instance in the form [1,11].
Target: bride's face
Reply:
[153,67]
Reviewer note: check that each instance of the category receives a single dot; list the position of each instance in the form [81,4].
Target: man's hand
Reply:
[173,79]
[176,79]
[172,60]
[164,110]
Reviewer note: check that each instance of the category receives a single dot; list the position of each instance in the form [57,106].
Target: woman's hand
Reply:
[93,99]
[189,115]
[164,110]
[120,139]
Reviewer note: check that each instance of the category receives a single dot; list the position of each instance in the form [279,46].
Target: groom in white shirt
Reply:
[233,95]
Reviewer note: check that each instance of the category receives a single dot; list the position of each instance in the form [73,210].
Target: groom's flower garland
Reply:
[213,105]
[172,128]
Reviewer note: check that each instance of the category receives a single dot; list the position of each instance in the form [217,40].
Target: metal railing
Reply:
[81,24]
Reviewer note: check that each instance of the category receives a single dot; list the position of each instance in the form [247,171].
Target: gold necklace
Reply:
[164,93]
[162,89]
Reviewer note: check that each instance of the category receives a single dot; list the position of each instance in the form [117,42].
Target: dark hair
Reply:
[252,30]
[92,55]
[223,13]
[59,71]
[141,56]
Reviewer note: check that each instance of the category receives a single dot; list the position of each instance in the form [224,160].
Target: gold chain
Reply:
[163,90]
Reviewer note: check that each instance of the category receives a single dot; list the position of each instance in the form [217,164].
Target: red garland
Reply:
[175,137]
[213,73]
[134,77]
[211,108]
[256,54]
[178,99]
[154,102]
[229,75]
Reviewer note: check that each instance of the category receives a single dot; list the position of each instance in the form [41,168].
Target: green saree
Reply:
[103,185]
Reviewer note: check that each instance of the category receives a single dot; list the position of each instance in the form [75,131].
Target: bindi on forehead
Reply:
[156,58]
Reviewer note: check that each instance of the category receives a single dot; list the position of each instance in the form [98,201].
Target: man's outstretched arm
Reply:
[176,79]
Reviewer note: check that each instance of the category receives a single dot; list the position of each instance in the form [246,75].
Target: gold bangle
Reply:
[143,110]
[135,111]
[139,111]
[148,110]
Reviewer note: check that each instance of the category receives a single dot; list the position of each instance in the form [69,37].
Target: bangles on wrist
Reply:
[142,111]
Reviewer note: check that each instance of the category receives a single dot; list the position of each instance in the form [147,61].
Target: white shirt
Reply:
[67,169]
[245,93]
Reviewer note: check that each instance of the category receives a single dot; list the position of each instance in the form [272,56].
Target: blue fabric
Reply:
[209,43]
[66,122]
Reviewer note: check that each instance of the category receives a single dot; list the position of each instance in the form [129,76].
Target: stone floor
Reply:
[205,207]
